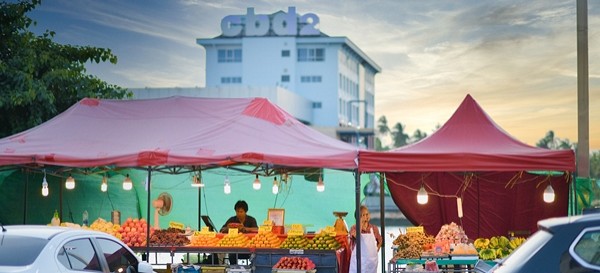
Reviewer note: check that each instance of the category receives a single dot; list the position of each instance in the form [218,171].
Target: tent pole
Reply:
[200,208]
[382,220]
[148,216]
[25,199]
[357,216]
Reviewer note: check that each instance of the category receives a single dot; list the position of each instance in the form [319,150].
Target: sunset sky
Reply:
[518,59]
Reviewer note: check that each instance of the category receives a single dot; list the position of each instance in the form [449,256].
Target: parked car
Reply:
[29,248]
[564,244]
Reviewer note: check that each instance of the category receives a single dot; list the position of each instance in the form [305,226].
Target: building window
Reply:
[285,78]
[311,79]
[317,105]
[285,53]
[230,80]
[230,55]
[311,54]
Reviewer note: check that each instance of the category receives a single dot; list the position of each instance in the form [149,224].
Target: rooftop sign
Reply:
[281,24]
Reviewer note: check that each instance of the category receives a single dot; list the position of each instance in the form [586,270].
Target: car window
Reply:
[117,257]
[586,248]
[79,255]
[28,249]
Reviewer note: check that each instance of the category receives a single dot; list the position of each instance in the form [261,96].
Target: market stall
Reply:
[473,173]
[177,135]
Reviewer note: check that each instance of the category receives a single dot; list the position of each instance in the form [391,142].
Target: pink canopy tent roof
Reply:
[469,141]
[473,158]
[175,131]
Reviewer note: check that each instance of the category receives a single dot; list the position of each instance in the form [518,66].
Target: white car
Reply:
[30,248]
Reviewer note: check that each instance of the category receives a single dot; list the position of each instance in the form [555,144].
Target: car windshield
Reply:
[523,252]
[29,249]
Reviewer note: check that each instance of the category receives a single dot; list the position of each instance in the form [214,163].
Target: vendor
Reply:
[244,222]
[370,243]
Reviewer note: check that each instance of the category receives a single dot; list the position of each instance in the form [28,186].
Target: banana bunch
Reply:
[516,242]
[481,243]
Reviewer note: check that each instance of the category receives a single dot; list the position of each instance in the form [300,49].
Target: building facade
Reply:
[326,82]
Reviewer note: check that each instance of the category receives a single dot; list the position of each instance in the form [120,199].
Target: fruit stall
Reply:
[264,251]
[448,251]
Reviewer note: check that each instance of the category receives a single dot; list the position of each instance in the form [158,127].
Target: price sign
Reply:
[296,227]
[296,251]
[233,232]
[265,229]
[295,233]
[415,229]
[176,225]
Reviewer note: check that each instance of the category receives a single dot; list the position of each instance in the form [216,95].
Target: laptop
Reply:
[209,223]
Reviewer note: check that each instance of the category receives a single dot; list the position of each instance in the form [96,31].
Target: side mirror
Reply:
[145,267]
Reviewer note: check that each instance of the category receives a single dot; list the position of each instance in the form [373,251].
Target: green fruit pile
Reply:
[324,241]
[295,242]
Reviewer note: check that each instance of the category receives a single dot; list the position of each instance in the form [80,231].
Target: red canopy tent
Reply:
[473,158]
[175,131]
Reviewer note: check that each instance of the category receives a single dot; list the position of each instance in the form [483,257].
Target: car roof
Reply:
[45,232]
[561,221]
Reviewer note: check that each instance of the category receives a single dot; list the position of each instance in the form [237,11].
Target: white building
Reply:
[326,82]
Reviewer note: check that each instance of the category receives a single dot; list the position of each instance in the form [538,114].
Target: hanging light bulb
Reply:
[320,185]
[70,183]
[275,186]
[256,184]
[104,185]
[45,190]
[459,207]
[422,197]
[197,181]
[127,183]
[549,194]
[226,186]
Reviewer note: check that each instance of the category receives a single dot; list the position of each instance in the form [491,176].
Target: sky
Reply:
[518,59]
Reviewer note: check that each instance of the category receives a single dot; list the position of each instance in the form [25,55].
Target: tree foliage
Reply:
[399,137]
[40,78]
[595,165]
[550,141]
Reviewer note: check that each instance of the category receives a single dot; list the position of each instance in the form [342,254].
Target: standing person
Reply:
[244,223]
[370,243]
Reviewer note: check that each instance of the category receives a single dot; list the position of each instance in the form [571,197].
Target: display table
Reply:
[445,265]
[262,259]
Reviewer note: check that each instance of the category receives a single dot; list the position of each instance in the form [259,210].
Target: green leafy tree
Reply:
[383,130]
[418,135]
[40,78]
[595,165]
[550,141]
[399,137]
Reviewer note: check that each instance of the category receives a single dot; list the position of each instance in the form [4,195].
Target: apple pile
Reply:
[133,232]
[298,263]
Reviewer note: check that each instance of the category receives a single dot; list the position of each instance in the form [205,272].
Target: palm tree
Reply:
[399,137]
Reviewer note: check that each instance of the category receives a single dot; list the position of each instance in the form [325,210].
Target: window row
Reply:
[226,80]
[284,78]
[229,55]
[304,55]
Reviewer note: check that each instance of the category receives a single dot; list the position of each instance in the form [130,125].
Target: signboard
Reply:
[282,24]
[176,225]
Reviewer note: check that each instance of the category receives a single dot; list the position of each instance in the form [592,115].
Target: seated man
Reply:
[244,222]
